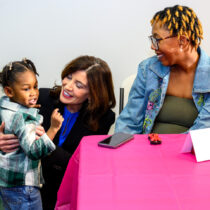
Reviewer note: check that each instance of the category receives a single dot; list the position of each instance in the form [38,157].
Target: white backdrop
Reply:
[53,32]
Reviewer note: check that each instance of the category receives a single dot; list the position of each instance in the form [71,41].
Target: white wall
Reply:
[53,32]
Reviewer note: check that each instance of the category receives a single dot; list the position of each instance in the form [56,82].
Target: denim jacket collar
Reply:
[158,68]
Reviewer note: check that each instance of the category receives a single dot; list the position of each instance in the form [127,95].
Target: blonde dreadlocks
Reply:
[180,20]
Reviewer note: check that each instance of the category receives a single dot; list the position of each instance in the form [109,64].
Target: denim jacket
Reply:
[148,93]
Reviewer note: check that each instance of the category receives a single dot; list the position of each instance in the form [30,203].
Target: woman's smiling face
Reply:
[168,48]
[74,90]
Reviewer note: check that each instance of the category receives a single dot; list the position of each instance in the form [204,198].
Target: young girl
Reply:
[20,171]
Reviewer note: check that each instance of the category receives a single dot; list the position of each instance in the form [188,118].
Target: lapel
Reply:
[60,106]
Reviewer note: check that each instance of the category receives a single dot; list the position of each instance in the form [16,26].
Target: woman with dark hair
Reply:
[85,99]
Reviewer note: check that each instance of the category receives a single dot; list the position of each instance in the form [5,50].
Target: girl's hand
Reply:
[56,119]
[8,142]
[39,131]
[56,122]
[36,106]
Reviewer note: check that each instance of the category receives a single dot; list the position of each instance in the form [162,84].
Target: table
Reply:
[135,176]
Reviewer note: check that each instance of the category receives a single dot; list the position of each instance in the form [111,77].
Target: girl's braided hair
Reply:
[180,20]
[9,73]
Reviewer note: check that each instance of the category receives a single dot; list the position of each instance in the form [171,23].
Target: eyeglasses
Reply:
[155,41]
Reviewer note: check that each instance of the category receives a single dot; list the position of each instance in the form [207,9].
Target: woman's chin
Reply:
[64,100]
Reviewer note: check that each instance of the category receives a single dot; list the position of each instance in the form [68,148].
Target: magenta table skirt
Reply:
[135,176]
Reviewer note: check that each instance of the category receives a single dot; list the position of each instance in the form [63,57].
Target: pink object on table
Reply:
[135,176]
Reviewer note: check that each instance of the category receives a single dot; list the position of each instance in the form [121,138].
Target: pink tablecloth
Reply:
[135,176]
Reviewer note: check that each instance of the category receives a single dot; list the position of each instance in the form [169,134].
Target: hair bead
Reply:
[10,66]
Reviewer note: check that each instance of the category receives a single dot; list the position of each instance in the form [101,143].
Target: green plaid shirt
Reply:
[22,167]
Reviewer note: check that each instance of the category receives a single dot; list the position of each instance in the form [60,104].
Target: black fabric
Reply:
[54,165]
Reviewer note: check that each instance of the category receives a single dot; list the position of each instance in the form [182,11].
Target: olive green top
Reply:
[177,115]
